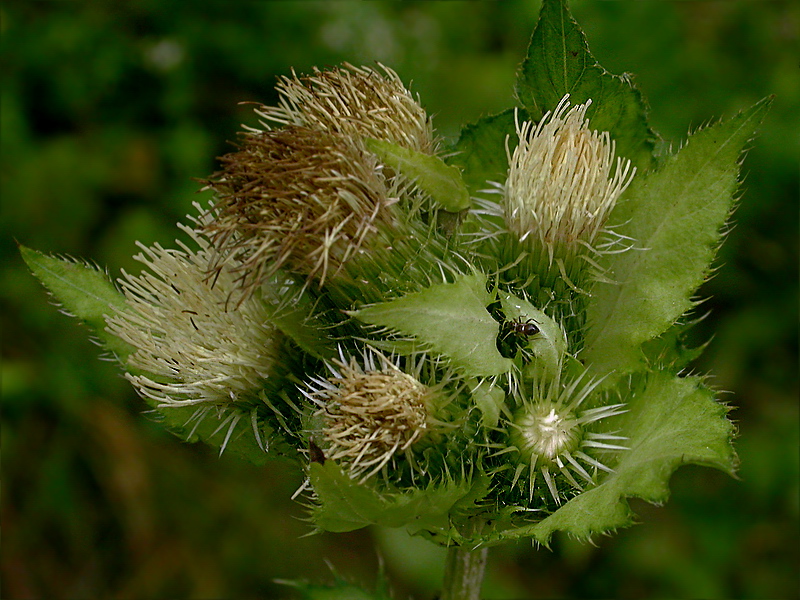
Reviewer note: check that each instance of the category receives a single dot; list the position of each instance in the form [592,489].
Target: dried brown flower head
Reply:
[297,199]
[370,413]
[355,102]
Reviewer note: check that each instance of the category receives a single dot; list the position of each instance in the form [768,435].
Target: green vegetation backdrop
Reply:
[109,110]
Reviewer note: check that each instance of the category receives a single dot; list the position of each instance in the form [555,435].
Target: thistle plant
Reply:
[477,342]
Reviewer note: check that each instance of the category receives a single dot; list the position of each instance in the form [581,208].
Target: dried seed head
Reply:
[297,199]
[551,435]
[191,343]
[370,413]
[355,102]
[563,180]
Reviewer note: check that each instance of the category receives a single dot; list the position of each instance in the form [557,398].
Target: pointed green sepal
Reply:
[489,398]
[440,181]
[84,291]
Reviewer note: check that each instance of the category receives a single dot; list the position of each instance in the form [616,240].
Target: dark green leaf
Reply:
[559,62]
[481,149]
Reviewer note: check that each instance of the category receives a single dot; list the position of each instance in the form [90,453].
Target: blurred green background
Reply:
[110,109]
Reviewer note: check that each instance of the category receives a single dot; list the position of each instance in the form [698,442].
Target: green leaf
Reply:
[675,215]
[481,149]
[559,62]
[345,505]
[440,181]
[548,347]
[449,319]
[671,421]
[489,399]
[83,290]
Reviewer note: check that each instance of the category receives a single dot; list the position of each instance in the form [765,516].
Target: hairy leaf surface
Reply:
[449,319]
[676,215]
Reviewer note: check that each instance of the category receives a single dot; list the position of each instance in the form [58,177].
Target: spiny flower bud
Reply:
[355,102]
[370,413]
[563,180]
[551,436]
[297,199]
[192,344]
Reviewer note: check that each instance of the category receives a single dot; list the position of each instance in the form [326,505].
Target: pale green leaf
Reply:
[440,181]
[676,215]
[83,290]
[546,348]
[449,319]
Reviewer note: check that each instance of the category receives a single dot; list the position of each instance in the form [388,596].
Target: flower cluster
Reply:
[431,357]
[297,203]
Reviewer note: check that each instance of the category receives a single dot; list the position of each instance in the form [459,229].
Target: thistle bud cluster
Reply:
[317,211]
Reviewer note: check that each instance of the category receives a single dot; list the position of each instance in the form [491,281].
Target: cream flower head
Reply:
[192,344]
[371,412]
[563,179]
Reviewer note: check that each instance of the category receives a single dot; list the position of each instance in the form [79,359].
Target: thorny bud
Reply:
[563,180]
[549,431]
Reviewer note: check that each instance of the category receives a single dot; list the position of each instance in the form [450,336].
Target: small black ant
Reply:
[514,335]
[527,328]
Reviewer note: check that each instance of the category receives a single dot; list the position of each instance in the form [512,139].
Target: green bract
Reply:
[434,367]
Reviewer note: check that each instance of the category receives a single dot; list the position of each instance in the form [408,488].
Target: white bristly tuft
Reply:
[563,179]
[193,346]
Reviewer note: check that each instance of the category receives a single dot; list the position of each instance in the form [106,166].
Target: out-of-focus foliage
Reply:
[108,112]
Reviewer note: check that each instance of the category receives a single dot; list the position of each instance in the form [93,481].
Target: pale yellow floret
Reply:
[192,344]
[563,179]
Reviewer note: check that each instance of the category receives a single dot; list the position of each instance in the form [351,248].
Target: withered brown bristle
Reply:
[294,198]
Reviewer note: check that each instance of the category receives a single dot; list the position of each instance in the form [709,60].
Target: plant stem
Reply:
[463,573]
